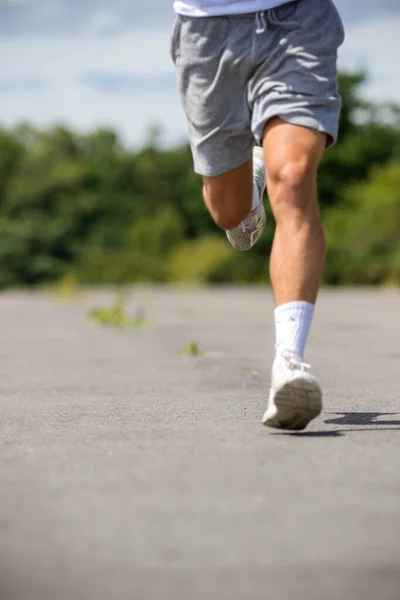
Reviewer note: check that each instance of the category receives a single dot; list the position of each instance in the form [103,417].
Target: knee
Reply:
[292,185]
[293,175]
[226,209]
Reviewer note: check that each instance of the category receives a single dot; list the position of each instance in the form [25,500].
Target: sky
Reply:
[106,63]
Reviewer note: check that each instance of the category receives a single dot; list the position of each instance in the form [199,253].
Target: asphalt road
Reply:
[131,471]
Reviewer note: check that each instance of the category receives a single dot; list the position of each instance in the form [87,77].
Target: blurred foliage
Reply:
[202,259]
[192,349]
[116,315]
[363,234]
[84,208]
[66,288]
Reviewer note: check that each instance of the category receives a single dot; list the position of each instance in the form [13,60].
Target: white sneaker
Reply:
[244,236]
[295,397]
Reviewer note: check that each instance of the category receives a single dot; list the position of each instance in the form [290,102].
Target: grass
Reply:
[117,316]
[192,349]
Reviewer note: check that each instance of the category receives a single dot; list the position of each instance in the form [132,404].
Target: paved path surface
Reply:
[129,471]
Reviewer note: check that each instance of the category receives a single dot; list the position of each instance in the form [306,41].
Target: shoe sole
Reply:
[297,403]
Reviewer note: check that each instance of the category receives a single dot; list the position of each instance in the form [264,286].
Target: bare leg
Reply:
[228,197]
[292,155]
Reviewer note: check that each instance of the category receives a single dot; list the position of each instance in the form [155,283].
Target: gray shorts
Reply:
[236,72]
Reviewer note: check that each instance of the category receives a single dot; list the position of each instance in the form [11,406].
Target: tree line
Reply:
[85,206]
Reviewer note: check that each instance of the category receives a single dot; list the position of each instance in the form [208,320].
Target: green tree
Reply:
[86,205]
[364,233]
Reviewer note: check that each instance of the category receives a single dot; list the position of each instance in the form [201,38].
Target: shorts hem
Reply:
[208,171]
[302,121]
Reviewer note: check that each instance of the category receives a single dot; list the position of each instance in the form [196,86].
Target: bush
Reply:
[205,260]
[85,204]
[363,236]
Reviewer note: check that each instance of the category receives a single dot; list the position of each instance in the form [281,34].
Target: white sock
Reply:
[256,196]
[292,325]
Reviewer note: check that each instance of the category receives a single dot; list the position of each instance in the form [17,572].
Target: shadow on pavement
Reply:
[315,434]
[361,418]
[350,418]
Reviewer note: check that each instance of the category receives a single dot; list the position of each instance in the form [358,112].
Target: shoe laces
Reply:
[294,361]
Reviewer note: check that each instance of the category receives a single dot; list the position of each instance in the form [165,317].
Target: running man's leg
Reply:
[296,113]
[234,200]
[213,59]
[292,156]
[228,197]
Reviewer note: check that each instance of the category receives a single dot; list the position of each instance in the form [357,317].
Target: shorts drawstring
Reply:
[261,23]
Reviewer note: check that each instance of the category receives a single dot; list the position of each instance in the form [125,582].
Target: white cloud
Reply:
[373,45]
[48,10]
[61,62]
[101,20]
[14,2]
[63,58]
